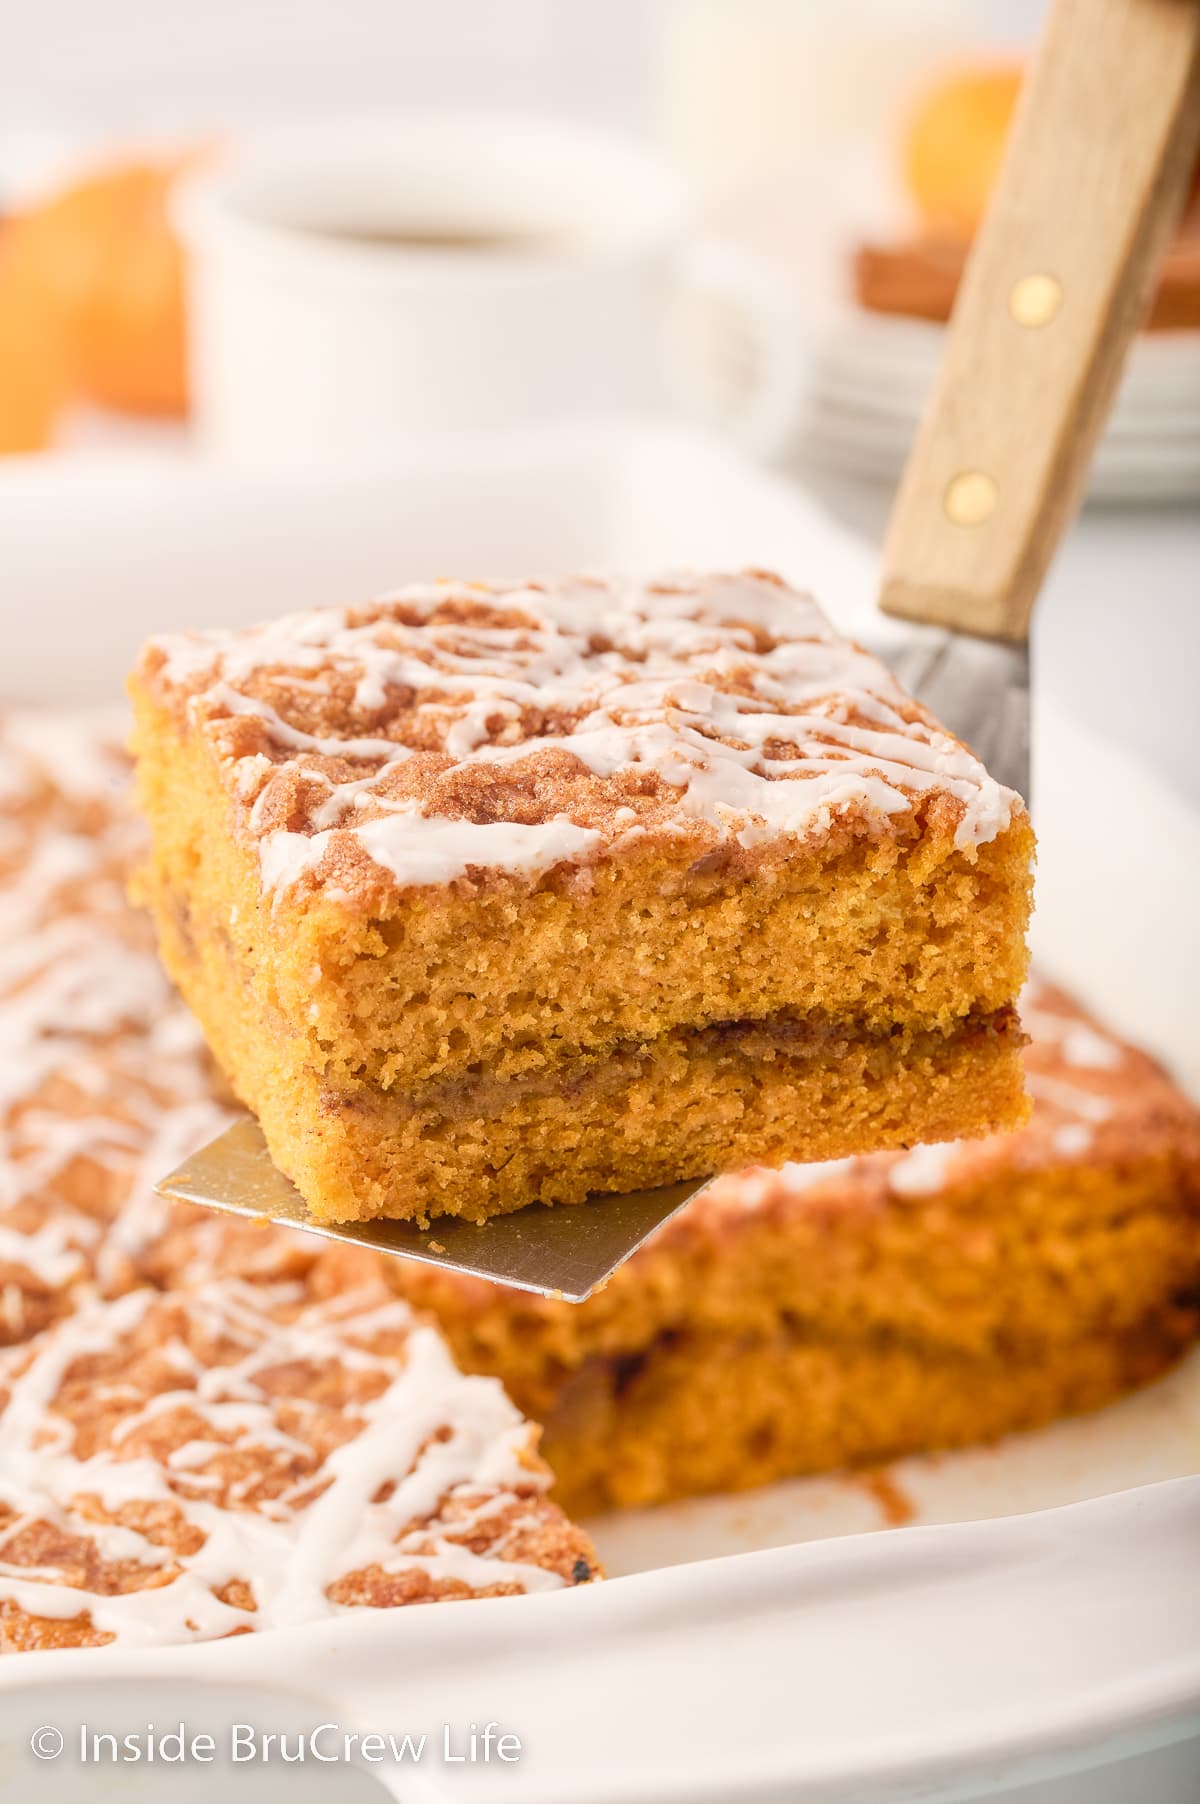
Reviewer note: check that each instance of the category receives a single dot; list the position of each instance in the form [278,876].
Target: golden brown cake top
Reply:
[469,727]
[1096,1101]
[185,1465]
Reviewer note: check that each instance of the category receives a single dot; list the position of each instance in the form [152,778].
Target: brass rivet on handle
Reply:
[1035,300]
[970,498]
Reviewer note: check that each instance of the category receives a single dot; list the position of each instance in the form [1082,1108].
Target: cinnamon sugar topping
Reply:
[205,1426]
[181,1466]
[460,726]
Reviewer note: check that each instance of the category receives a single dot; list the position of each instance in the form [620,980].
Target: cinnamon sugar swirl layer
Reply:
[847,1312]
[478,835]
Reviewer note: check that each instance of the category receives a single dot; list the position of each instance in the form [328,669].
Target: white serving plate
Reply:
[1001,1643]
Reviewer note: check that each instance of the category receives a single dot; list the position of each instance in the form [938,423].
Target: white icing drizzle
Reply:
[1083,1046]
[1077,1042]
[758,744]
[923,1171]
[436,1453]
[417,849]
[1070,1098]
[74,752]
[100,1066]
[1073,1139]
[797,1178]
[103,1087]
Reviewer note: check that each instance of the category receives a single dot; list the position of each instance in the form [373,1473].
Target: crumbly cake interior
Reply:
[205,1427]
[425,860]
[682,1104]
[848,1312]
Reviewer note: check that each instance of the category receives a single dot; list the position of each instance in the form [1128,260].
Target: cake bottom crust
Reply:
[697,1414]
[684,1106]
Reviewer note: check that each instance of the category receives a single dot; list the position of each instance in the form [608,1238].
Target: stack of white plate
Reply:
[871,373]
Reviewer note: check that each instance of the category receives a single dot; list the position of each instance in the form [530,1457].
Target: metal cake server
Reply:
[1104,141]
[558,1250]
[1058,281]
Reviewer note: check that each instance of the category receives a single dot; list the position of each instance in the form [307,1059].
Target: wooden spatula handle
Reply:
[1105,136]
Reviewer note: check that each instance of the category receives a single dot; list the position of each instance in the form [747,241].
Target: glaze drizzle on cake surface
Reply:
[205,1427]
[103,1073]
[185,1465]
[461,726]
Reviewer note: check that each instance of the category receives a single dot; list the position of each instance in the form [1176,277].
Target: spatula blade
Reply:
[979,688]
[555,1251]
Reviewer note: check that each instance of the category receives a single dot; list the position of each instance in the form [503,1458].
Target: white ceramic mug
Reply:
[356,282]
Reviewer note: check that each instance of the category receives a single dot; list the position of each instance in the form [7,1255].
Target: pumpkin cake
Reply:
[844,1314]
[487,894]
[181,1391]
[205,1428]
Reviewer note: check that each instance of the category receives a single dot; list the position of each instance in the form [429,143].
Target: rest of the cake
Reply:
[488,894]
[105,1081]
[786,1322]
[205,1428]
[226,1457]
[845,1314]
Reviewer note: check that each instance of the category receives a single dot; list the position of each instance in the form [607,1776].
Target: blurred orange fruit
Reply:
[954,146]
[106,258]
[34,361]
